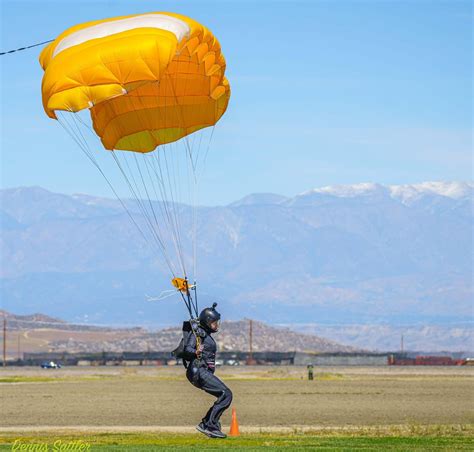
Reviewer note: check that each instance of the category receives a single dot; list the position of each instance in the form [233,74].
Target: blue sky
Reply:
[333,92]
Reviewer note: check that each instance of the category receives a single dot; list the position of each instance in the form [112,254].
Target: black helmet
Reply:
[208,316]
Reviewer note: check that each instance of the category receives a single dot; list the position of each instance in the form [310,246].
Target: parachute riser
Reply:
[183,287]
[190,304]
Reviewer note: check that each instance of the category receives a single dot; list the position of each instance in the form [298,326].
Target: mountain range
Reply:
[365,254]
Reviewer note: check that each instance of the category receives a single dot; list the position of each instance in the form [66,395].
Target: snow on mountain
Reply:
[406,193]
[348,191]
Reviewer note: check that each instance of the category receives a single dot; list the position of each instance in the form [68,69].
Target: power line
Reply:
[26,47]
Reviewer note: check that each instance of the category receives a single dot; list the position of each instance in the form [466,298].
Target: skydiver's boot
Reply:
[215,433]
[201,427]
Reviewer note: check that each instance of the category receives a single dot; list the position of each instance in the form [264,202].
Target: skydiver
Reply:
[201,363]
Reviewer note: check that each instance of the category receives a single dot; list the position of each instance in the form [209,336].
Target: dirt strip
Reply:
[183,429]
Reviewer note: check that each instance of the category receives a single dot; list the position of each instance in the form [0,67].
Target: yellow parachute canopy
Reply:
[148,79]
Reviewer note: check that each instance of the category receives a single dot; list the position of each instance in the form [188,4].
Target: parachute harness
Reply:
[184,289]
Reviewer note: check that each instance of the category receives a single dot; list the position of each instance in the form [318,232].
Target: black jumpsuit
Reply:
[200,372]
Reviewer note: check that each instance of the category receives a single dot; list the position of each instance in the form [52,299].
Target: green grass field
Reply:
[431,440]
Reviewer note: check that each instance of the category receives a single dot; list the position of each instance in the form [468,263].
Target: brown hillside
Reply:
[42,333]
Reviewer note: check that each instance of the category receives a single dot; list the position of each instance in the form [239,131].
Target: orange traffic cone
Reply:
[234,425]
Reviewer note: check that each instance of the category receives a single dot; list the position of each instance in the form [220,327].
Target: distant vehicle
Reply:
[232,362]
[219,362]
[50,365]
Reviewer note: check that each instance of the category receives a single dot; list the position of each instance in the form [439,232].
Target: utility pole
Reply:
[19,349]
[4,340]
[251,340]
[401,345]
